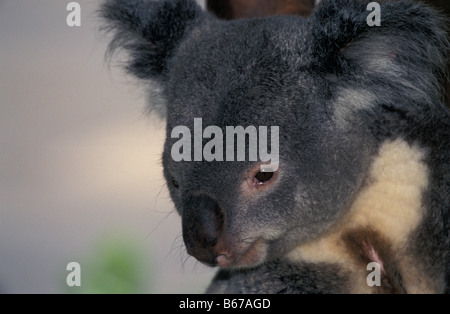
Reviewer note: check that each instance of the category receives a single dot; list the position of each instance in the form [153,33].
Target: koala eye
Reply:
[259,179]
[263,177]
[175,183]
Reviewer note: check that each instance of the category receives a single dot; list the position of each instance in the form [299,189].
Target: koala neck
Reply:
[378,224]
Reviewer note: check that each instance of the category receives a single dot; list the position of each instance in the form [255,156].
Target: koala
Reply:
[362,182]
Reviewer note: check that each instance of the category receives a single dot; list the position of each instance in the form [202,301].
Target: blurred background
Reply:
[80,173]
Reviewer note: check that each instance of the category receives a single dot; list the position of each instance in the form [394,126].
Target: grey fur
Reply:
[337,89]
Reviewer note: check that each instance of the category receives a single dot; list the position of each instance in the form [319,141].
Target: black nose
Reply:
[202,226]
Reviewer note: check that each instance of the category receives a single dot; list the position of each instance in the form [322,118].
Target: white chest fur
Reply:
[390,205]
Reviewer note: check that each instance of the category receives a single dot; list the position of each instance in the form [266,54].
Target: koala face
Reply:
[233,214]
[316,80]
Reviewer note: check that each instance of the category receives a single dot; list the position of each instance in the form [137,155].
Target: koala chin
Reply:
[359,199]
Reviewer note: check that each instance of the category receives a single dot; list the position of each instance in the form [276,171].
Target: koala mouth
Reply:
[254,255]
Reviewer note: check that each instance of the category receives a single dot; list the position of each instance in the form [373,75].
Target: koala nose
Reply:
[202,222]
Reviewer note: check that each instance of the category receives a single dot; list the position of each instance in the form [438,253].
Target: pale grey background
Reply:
[79,159]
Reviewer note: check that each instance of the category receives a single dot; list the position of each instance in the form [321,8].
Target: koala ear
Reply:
[150,31]
[407,52]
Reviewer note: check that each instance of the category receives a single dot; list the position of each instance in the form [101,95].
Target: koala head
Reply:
[313,83]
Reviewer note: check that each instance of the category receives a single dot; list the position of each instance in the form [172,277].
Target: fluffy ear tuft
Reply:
[407,52]
[150,31]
